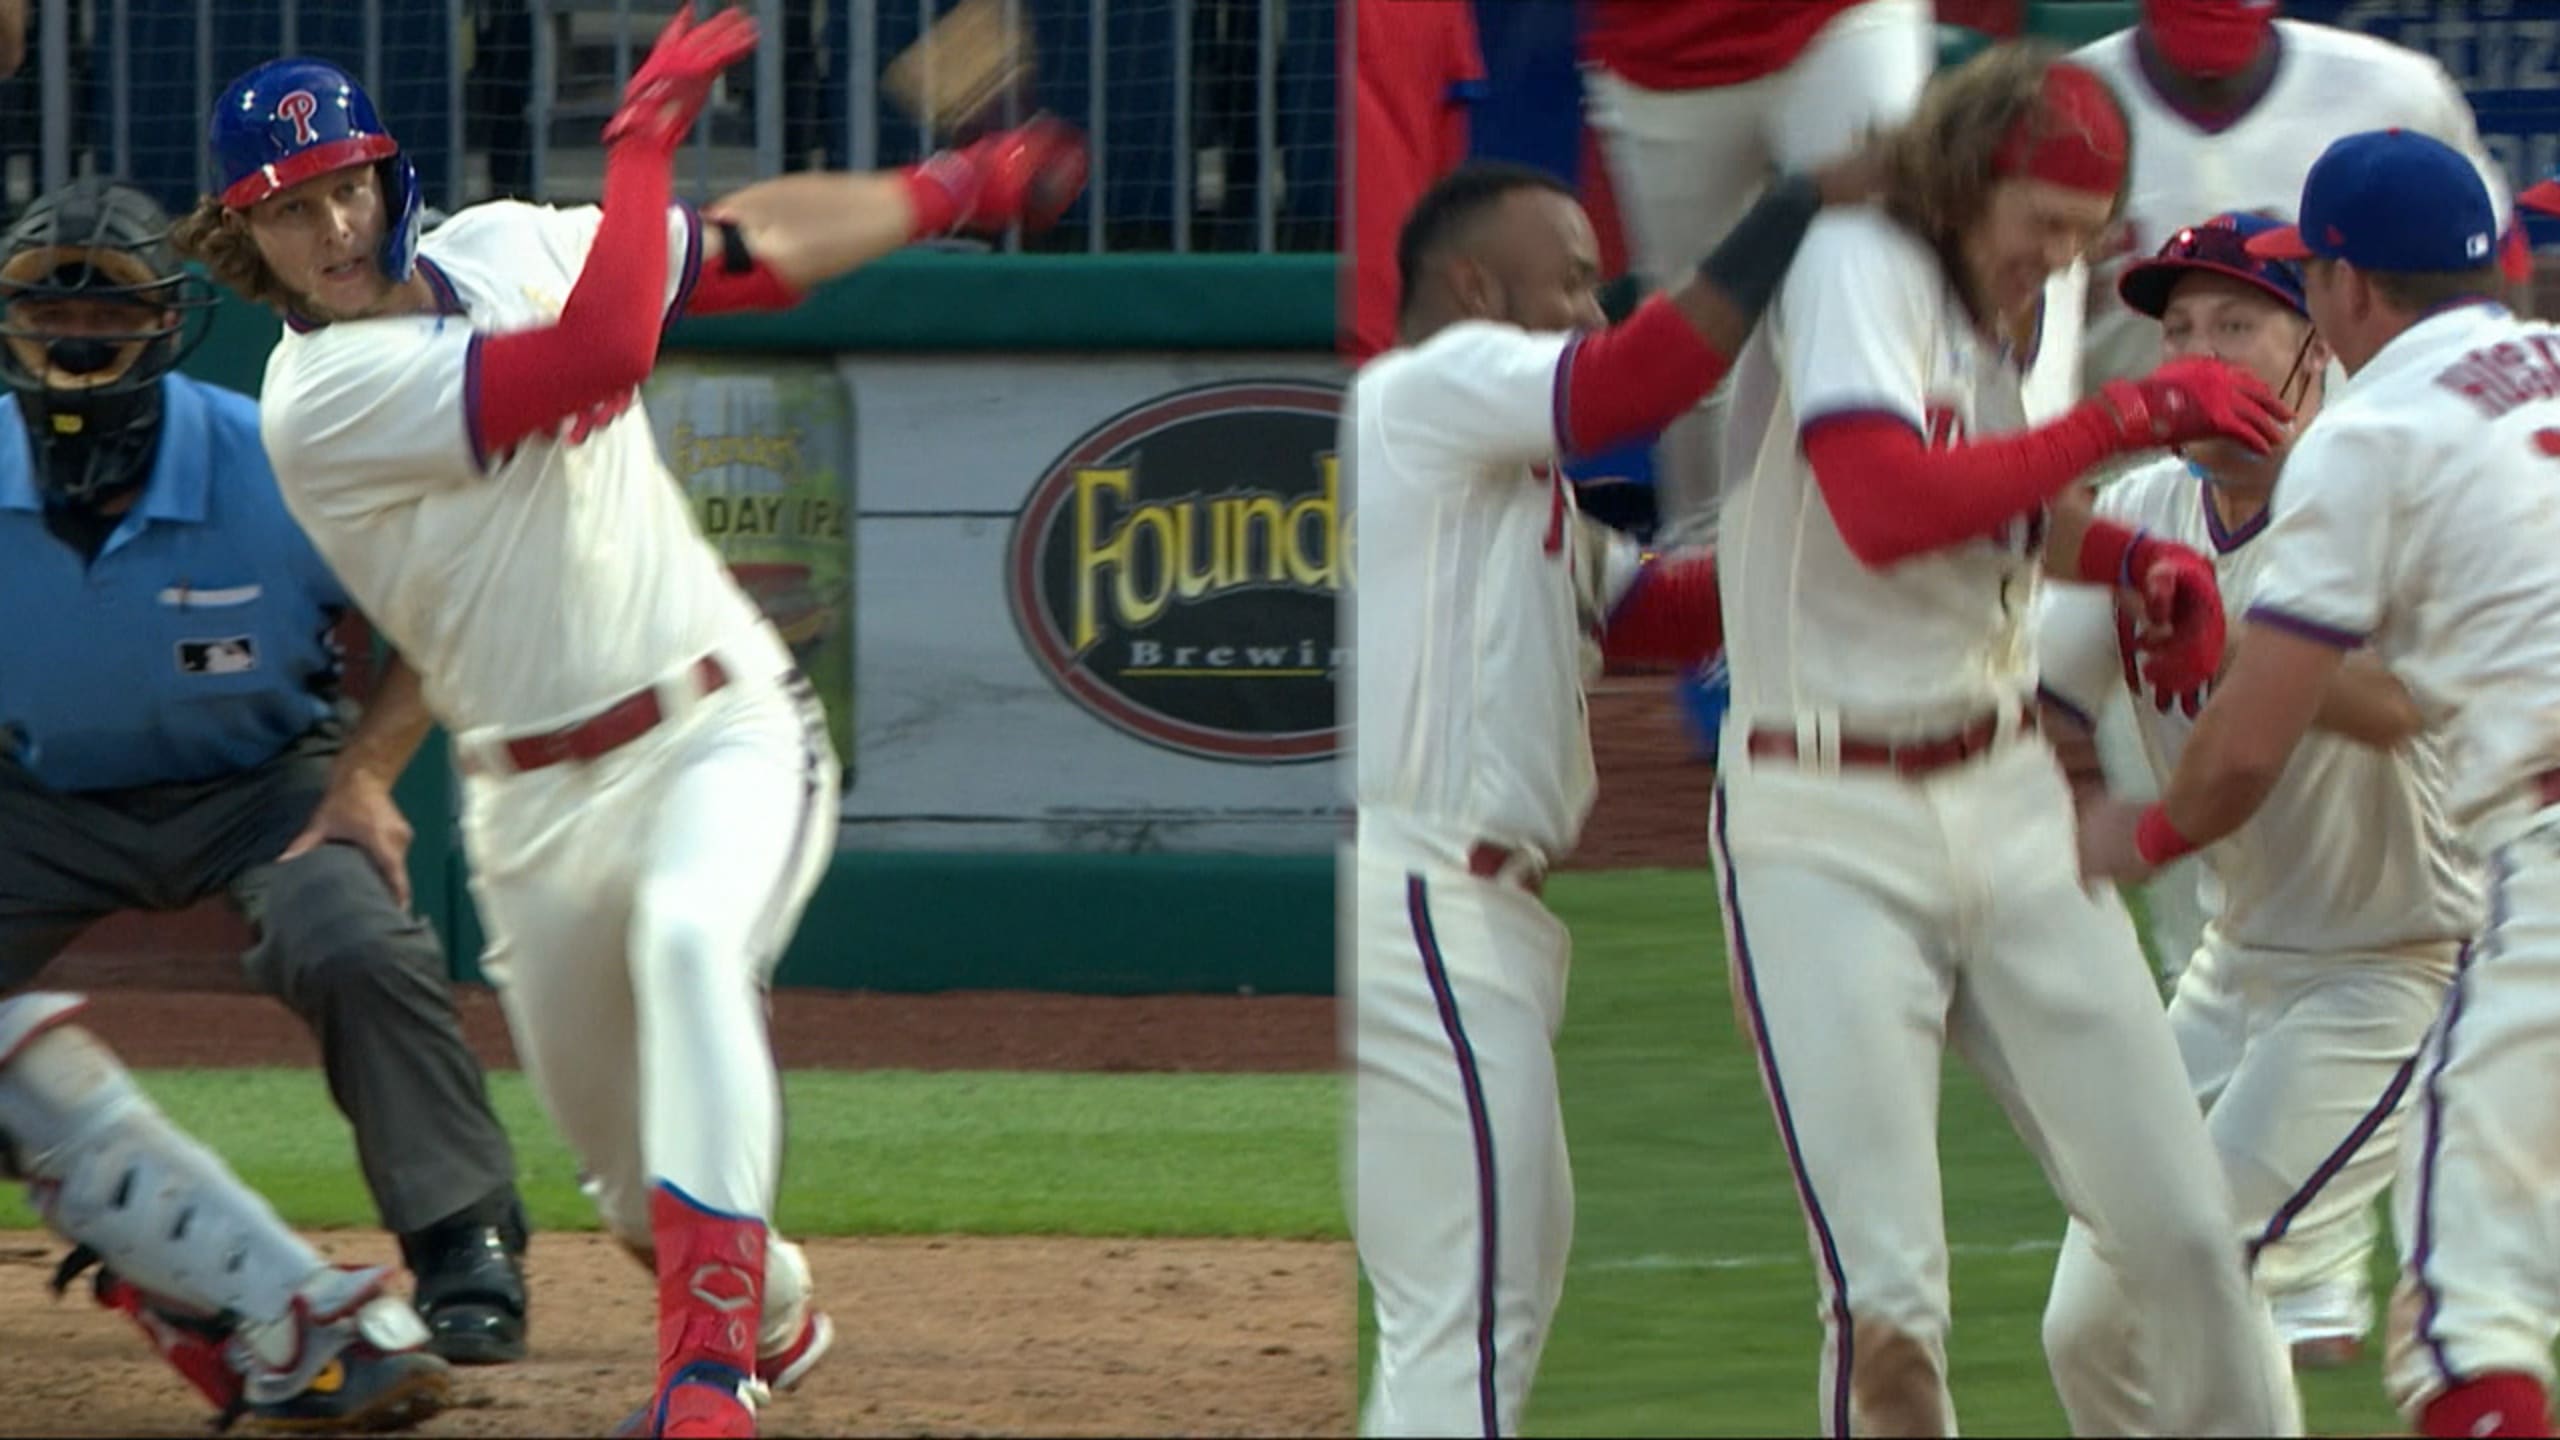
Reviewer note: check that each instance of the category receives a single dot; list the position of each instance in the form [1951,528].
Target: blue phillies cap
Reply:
[2219,246]
[2391,200]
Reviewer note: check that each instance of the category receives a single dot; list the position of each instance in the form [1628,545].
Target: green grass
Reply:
[878,1152]
[1689,1308]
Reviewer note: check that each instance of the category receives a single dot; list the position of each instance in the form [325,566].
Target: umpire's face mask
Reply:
[73,344]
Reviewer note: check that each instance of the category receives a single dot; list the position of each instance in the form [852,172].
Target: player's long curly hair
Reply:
[218,239]
[1938,174]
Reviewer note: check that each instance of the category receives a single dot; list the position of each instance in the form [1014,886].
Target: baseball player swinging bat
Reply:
[487,376]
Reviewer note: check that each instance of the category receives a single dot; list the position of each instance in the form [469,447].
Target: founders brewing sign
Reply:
[1175,571]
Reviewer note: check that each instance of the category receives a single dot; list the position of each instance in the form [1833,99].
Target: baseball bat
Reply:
[958,75]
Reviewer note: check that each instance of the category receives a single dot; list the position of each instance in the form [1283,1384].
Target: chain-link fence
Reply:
[1213,121]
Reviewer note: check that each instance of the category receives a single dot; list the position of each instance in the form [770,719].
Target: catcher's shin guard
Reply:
[108,1171]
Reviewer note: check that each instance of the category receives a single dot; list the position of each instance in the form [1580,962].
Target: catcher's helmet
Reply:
[90,392]
[289,120]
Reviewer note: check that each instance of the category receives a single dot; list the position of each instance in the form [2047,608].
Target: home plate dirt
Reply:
[1017,1336]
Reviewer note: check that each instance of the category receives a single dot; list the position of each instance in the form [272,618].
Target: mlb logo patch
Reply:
[227,656]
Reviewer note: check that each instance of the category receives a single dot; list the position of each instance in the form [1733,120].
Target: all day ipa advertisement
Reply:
[765,451]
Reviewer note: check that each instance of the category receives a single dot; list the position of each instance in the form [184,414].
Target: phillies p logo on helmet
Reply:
[299,106]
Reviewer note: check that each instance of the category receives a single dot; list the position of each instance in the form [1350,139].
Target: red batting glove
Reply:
[2197,398]
[672,85]
[2182,620]
[1030,175]
[2179,594]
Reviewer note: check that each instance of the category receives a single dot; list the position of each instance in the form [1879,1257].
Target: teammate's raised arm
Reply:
[606,339]
[1500,270]
[777,238]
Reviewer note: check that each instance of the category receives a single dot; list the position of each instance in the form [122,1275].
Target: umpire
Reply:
[171,728]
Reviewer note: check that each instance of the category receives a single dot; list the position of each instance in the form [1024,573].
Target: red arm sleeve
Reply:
[527,382]
[1673,612]
[736,278]
[1893,498]
[1632,378]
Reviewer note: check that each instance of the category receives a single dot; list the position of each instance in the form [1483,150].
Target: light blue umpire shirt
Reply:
[196,645]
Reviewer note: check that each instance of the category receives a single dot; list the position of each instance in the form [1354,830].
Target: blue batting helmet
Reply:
[289,120]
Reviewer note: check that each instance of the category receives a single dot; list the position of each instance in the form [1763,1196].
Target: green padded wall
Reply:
[2073,23]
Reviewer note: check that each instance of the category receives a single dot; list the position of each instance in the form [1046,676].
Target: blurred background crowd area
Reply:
[1218,125]
[1215,122]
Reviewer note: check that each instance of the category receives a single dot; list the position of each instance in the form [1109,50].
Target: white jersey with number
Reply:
[2427,523]
[528,589]
[2351,851]
[1867,323]
[2328,83]
[1468,704]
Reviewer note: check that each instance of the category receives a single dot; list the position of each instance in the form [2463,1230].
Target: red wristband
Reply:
[2156,840]
[2111,554]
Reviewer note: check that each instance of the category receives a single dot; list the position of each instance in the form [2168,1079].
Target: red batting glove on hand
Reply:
[1031,175]
[2179,593]
[2197,398]
[671,86]
[2182,622]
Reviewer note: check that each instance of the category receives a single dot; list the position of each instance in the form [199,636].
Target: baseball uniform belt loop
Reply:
[1909,758]
[1488,861]
[608,730]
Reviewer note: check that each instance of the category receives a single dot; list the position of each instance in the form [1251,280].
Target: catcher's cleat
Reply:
[361,1389]
[345,1357]
[784,1369]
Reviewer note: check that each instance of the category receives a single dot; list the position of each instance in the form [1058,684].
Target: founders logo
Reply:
[1175,571]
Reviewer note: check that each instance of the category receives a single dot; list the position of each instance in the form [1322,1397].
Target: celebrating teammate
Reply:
[2340,909]
[1892,835]
[1699,103]
[1481,585]
[2229,105]
[2416,518]
[649,795]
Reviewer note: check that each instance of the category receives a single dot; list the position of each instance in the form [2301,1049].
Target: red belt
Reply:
[1488,860]
[1910,758]
[617,725]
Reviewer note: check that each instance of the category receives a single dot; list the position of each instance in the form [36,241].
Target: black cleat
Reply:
[471,1293]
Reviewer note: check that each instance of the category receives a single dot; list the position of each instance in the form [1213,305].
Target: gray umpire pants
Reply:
[368,977]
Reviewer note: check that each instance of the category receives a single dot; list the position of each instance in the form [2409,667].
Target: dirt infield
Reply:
[936,1337]
[1652,808]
